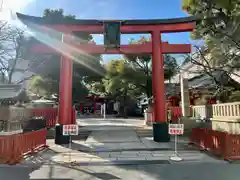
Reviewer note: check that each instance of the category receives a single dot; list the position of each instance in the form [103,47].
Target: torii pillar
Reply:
[65,96]
[160,125]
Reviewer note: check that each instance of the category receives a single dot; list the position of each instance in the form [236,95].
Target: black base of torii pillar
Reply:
[59,138]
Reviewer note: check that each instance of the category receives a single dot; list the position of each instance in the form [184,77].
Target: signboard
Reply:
[112,34]
[176,129]
[70,129]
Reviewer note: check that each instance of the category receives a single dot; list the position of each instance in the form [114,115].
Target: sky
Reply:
[108,9]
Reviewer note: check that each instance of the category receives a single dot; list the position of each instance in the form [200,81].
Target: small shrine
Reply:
[13,113]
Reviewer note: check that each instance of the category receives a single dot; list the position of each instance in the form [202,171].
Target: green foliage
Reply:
[142,67]
[118,81]
[213,13]
[219,27]
[38,86]
[170,67]
[57,14]
[131,77]
[79,90]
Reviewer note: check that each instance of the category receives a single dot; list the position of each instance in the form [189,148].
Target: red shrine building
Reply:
[112,30]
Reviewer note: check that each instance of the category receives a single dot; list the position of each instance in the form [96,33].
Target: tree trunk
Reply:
[10,77]
[148,89]
[3,78]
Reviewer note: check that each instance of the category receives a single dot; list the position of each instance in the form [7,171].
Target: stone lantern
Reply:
[13,113]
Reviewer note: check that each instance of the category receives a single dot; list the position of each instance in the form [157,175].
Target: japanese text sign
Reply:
[70,129]
[176,129]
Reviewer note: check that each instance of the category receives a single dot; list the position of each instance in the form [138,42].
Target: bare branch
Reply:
[201,58]
[25,79]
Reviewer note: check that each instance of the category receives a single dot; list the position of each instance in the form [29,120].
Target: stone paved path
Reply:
[118,153]
[120,146]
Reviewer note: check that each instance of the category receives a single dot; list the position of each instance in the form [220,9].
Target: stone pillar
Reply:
[160,125]
[65,97]
[185,103]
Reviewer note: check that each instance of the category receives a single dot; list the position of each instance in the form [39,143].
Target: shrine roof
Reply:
[10,91]
[205,81]
[41,20]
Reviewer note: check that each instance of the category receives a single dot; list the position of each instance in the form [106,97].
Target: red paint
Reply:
[127,29]
[173,101]
[65,92]
[81,108]
[15,147]
[50,114]
[220,143]
[124,49]
[176,113]
[158,79]
[212,101]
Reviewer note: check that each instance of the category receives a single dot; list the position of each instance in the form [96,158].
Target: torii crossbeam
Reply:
[124,49]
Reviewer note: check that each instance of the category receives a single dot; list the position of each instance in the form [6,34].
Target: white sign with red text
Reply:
[176,129]
[70,130]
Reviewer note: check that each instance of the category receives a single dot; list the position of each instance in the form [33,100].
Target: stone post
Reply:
[184,96]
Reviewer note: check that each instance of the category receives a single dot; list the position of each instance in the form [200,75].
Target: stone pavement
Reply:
[121,145]
[118,153]
[108,123]
[125,152]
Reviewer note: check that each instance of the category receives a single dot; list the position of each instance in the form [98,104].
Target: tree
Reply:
[118,84]
[57,14]
[14,56]
[38,86]
[117,81]
[131,77]
[142,67]
[218,20]
[220,75]
[171,67]
[219,27]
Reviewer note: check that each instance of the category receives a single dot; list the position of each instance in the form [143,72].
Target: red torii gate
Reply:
[156,48]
